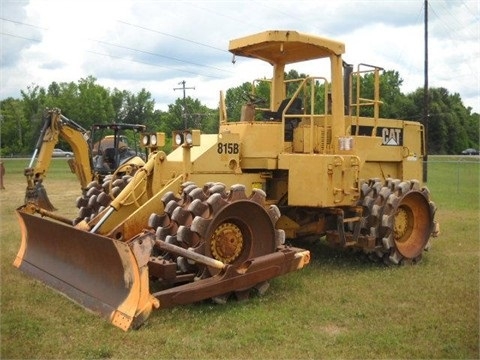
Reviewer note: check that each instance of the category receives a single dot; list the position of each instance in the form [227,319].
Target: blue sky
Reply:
[156,44]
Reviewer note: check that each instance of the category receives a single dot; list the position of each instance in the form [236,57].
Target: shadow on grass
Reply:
[322,254]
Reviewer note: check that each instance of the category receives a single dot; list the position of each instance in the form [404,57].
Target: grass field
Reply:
[340,306]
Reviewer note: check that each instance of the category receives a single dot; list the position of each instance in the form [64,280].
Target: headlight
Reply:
[178,139]
[145,140]
[153,139]
[188,138]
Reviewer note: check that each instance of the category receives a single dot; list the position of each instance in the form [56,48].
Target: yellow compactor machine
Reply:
[213,218]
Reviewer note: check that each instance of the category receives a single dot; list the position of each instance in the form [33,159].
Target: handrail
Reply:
[304,85]
[360,101]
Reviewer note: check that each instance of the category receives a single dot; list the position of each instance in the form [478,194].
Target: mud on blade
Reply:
[95,271]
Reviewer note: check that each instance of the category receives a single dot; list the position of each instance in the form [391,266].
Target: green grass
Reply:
[340,306]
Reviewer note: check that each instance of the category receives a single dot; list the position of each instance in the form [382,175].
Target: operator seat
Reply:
[295,108]
[109,157]
[290,123]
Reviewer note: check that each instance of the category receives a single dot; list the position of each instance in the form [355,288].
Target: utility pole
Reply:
[426,97]
[184,112]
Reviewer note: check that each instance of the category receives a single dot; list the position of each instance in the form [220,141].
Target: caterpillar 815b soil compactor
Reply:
[213,218]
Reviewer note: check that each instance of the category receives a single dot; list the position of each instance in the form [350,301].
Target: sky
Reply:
[156,44]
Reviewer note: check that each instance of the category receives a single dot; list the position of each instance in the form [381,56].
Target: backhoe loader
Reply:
[216,218]
[94,164]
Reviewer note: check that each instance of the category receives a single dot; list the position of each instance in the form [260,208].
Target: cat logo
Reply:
[391,136]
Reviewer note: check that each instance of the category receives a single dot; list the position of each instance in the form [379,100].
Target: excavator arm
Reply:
[56,126]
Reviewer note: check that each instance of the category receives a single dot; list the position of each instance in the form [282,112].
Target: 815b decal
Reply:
[228,148]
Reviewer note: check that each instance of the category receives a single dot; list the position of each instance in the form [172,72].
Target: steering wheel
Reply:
[253,98]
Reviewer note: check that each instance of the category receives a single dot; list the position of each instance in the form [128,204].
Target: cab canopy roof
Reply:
[285,47]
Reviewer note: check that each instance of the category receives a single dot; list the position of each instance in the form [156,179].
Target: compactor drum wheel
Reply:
[99,193]
[224,225]
[400,216]
[96,197]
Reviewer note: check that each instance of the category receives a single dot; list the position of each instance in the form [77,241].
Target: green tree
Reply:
[190,114]
[235,99]
[392,98]
[33,101]
[94,102]
[473,130]
[33,108]
[63,96]
[139,108]
[451,126]
[119,100]
[13,126]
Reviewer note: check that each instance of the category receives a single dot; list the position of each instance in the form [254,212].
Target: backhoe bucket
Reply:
[38,196]
[101,274]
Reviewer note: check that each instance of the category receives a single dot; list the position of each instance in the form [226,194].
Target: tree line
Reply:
[452,126]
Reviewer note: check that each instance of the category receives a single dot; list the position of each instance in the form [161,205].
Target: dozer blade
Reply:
[101,274]
[38,196]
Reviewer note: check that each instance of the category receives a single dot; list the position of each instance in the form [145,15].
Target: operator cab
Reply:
[296,113]
[294,107]
[111,151]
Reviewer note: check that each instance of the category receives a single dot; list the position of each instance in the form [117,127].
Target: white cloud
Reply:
[131,45]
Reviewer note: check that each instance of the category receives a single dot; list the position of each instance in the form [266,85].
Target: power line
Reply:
[172,36]
[151,64]
[155,54]
[129,48]
[221,14]
[450,32]
[20,37]
[453,19]
[22,23]
[471,11]
[122,58]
